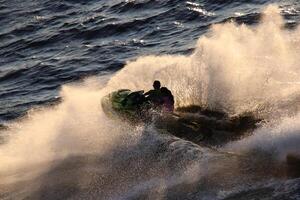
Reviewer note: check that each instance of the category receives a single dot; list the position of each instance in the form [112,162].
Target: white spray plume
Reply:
[75,126]
[234,67]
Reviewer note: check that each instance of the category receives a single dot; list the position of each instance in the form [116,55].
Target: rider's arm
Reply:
[148,93]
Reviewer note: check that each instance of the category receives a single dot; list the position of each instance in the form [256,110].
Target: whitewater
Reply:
[72,150]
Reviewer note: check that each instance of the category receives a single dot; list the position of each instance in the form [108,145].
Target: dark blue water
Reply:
[47,44]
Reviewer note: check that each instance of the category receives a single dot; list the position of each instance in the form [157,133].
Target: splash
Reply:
[235,68]
[278,140]
[74,127]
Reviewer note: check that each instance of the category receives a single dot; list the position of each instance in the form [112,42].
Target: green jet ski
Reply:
[127,105]
[196,124]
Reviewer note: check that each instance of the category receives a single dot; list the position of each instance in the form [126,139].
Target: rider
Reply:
[160,97]
[154,96]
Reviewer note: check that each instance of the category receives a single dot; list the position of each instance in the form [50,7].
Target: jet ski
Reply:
[126,104]
[193,123]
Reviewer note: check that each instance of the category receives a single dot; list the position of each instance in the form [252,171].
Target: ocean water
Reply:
[59,58]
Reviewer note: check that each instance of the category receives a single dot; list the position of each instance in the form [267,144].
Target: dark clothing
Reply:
[168,99]
[154,97]
[161,99]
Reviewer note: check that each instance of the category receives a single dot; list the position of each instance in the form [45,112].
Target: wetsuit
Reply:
[154,97]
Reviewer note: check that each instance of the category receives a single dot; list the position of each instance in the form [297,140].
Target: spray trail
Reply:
[235,67]
[76,126]
[277,139]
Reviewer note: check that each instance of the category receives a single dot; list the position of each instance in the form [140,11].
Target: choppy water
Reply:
[237,56]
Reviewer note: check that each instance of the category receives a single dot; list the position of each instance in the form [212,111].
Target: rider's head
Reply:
[156,85]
